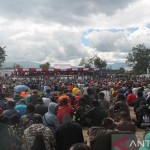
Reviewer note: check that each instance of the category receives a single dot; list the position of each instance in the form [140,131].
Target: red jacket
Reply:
[131,98]
[63,110]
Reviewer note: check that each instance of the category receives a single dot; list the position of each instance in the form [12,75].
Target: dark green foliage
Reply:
[139,59]
[2,55]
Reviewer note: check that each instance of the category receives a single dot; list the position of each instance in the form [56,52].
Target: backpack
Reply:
[144,118]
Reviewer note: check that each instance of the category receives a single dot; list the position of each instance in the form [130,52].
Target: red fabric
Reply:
[63,110]
[1,111]
[45,69]
[114,93]
[76,100]
[32,69]
[20,69]
[131,98]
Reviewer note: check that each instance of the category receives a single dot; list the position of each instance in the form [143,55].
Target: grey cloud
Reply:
[62,11]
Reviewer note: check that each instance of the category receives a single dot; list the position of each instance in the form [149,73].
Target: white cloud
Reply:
[52,30]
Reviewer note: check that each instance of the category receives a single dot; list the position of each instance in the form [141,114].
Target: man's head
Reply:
[35,92]
[101,95]
[37,119]
[11,104]
[143,103]
[120,97]
[30,108]
[14,119]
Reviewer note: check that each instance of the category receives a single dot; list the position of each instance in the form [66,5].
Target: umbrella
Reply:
[21,88]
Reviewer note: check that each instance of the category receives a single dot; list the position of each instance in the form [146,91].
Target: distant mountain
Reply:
[31,64]
[117,65]
[23,63]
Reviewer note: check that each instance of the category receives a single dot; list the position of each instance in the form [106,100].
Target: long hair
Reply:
[38,143]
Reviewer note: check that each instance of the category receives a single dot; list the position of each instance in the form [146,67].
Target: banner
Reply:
[62,66]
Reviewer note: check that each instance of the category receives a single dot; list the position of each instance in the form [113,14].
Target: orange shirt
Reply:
[24,94]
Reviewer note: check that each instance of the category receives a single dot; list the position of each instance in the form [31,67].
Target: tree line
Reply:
[138,59]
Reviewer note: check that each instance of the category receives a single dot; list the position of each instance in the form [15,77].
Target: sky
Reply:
[64,31]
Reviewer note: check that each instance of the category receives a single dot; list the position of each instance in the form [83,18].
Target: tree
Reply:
[98,62]
[95,60]
[85,62]
[16,66]
[2,55]
[121,71]
[45,65]
[139,59]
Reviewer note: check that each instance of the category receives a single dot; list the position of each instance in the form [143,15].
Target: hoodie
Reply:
[50,119]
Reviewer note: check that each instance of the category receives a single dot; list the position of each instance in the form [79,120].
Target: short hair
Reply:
[30,107]
[14,119]
[64,101]
[142,103]
[35,92]
[48,91]
[4,119]
[11,104]
[120,97]
[79,146]
[139,93]
[89,90]
[37,119]
[23,101]
[129,91]
[101,94]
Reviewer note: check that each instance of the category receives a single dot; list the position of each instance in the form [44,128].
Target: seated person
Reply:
[96,114]
[125,124]
[68,133]
[143,116]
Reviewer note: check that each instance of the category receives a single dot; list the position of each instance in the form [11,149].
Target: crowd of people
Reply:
[52,114]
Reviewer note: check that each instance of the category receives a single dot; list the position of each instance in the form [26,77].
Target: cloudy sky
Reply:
[64,31]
